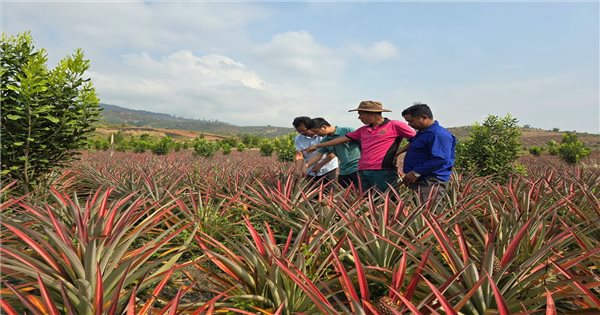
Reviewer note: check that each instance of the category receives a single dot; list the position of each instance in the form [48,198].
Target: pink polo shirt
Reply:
[380,143]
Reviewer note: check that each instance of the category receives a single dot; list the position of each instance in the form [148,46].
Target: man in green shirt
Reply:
[347,153]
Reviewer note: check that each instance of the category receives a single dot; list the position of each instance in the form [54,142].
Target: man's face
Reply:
[417,123]
[305,132]
[365,117]
[319,131]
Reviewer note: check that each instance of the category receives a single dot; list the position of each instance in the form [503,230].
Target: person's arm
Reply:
[336,141]
[299,169]
[316,158]
[322,162]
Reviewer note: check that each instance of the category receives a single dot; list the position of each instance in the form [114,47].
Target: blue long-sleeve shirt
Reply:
[431,153]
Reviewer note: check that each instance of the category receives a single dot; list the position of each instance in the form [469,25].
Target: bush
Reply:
[492,148]
[571,150]
[552,147]
[285,148]
[241,147]
[266,148]
[205,148]
[536,151]
[226,148]
[163,146]
[47,114]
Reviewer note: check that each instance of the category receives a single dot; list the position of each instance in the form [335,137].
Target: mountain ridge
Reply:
[118,115]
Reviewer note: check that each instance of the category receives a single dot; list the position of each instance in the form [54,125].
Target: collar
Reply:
[431,127]
[385,121]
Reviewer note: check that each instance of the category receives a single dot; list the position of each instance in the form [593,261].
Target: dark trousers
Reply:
[349,179]
[380,179]
[430,189]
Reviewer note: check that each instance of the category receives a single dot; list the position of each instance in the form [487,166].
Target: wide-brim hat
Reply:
[370,106]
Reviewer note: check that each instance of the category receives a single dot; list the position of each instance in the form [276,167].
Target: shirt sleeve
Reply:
[354,135]
[441,155]
[403,130]
[297,144]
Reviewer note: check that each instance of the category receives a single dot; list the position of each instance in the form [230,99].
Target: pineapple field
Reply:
[136,233]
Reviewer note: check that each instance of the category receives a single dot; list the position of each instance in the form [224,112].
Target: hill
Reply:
[113,115]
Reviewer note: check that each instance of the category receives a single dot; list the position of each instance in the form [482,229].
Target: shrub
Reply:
[535,150]
[552,147]
[226,148]
[46,113]
[492,148]
[163,146]
[266,148]
[285,148]
[204,148]
[241,147]
[571,150]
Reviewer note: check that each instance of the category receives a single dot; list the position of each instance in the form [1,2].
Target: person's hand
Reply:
[409,178]
[310,149]
[316,168]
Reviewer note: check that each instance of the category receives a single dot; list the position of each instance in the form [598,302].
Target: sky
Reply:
[264,63]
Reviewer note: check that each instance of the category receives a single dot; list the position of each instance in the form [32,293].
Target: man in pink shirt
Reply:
[379,139]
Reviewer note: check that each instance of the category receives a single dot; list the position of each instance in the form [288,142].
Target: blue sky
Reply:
[252,63]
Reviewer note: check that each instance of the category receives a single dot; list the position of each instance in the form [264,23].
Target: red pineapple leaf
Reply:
[256,237]
[398,276]
[360,272]
[550,307]
[39,249]
[344,279]
[514,244]
[50,307]
[445,304]
[99,294]
[279,310]
[156,291]
[578,284]
[7,308]
[502,307]
[412,286]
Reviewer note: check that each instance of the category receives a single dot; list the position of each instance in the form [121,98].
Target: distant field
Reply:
[530,137]
[158,132]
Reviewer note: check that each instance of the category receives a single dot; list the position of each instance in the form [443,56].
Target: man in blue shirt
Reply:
[430,155]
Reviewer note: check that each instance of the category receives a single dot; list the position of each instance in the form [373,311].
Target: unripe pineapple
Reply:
[497,266]
[385,305]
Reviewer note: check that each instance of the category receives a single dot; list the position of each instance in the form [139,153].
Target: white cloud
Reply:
[297,53]
[182,83]
[377,52]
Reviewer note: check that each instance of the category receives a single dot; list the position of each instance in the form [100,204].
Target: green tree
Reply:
[492,148]
[47,114]
[552,147]
[284,147]
[571,150]
[163,146]
[266,148]
[205,148]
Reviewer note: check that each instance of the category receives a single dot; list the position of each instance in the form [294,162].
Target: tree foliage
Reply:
[284,147]
[492,148]
[46,113]
[571,149]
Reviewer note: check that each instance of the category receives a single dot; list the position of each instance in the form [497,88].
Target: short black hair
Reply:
[418,110]
[302,120]
[318,123]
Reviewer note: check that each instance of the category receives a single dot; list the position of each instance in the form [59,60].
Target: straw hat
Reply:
[370,106]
